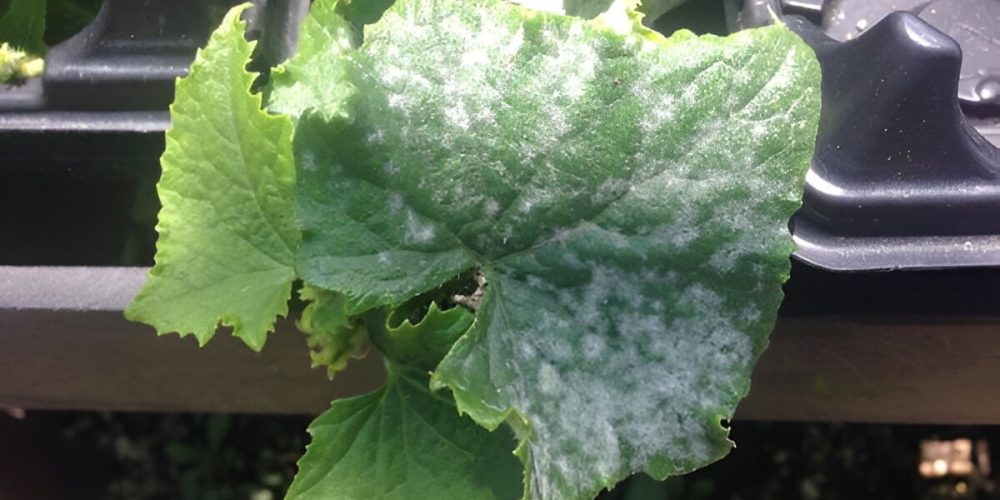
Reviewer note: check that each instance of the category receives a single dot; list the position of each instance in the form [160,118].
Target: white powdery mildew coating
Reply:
[628,379]
[633,365]
[423,86]
[475,83]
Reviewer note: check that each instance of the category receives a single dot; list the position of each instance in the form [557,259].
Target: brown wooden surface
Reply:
[97,360]
[879,369]
[86,356]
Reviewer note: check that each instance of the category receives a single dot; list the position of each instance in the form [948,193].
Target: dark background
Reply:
[90,455]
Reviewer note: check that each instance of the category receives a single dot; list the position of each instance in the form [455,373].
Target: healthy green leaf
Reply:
[625,195]
[228,235]
[404,442]
[421,343]
[22,25]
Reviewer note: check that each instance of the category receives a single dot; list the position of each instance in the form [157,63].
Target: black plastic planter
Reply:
[81,144]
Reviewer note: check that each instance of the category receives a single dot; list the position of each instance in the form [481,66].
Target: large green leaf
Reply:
[228,235]
[22,25]
[625,195]
[404,442]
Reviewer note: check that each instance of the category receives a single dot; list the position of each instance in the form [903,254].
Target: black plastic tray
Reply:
[901,179]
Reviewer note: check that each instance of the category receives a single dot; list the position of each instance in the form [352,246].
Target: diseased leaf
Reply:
[625,195]
[404,442]
[360,239]
[314,77]
[228,235]
[620,198]
[333,336]
[22,26]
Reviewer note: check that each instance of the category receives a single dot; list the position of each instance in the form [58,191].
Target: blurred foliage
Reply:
[818,462]
[138,456]
[31,25]
[22,24]
[192,457]
[65,18]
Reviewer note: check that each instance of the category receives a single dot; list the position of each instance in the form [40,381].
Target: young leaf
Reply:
[404,442]
[421,343]
[228,235]
[314,77]
[626,197]
[22,26]
[333,335]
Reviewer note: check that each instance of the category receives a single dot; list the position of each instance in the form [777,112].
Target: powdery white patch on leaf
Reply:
[227,230]
[303,82]
[614,366]
[625,195]
[361,239]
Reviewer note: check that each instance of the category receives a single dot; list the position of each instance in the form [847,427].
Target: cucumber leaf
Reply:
[621,199]
[404,442]
[626,197]
[228,235]
[421,343]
